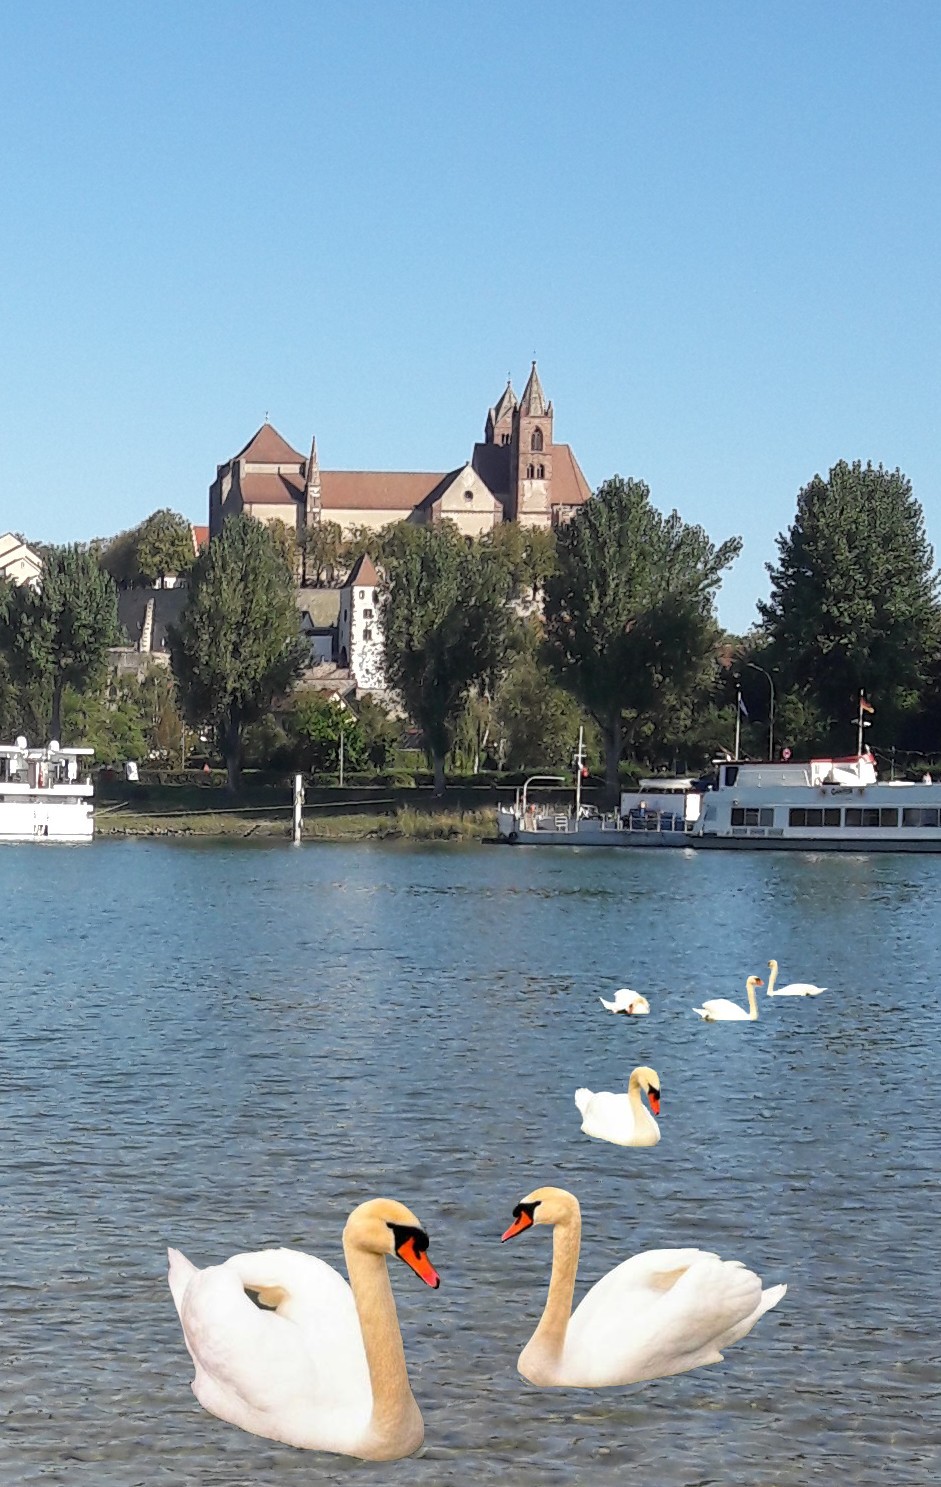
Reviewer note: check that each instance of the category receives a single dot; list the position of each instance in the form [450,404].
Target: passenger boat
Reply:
[43,797]
[822,805]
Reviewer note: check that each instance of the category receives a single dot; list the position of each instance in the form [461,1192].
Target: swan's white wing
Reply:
[606,1115]
[611,1006]
[659,1314]
[297,1373]
[798,988]
[720,1009]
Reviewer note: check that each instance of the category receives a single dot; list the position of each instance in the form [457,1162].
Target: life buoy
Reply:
[513,837]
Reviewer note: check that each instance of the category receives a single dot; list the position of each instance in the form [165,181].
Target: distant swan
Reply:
[663,1312]
[794,988]
[623,1120]
[627,1001]
[722,1010]
[323,1367]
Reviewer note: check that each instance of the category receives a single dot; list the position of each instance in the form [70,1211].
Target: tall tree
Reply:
[446,619]
[629,613]
[854,597]
[164,546]
[238,643]
[58,635]
[323,544]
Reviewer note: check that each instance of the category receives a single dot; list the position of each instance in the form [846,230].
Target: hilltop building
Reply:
[19,563]
[517,473]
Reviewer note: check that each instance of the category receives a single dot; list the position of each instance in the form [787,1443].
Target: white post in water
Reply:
[298,808]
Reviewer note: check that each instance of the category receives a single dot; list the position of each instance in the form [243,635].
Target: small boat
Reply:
[43,795]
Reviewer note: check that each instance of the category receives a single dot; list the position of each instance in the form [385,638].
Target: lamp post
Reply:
[752,667]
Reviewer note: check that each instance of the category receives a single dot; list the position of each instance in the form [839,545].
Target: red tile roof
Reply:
[268,448]
[375,490]
[569,486]
[364,572]
[271,489]
[200,538]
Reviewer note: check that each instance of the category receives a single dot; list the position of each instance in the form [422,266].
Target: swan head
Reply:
[772,965]
[542,1206]
[384,1227]
[649,1081]
[754,981]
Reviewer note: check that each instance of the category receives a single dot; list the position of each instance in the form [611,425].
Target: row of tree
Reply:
[497,649]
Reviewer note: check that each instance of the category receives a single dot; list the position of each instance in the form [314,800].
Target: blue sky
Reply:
[715,225]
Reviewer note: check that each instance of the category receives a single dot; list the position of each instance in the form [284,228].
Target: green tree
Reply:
[238,643]
[58,635]
[164,545]
[315,723]
[629,613]
[536,720]
[446,623]
[854,598]
[323,545]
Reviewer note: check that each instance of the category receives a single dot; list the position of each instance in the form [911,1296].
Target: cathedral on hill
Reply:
[516,474]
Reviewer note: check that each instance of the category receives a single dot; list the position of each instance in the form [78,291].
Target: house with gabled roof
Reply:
[19,564]
[516,473]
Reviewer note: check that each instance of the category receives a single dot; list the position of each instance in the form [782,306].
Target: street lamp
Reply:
[751,665]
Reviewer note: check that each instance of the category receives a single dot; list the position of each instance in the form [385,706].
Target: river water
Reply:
[226,1047]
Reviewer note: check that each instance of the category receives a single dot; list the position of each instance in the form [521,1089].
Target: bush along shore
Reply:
[466,813]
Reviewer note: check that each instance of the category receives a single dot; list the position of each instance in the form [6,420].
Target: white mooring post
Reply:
[298,808]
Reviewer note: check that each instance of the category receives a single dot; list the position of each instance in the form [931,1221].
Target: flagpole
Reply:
[738,718]
[859,724]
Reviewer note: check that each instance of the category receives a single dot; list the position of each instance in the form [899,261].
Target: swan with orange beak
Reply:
[624,1120]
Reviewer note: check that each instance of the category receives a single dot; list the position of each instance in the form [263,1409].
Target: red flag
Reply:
[865,707]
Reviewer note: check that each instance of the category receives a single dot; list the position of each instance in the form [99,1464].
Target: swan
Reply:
[623,1119]
[794,988]
[722,1010]
[324,1367]
[627,1001]
[662,1312]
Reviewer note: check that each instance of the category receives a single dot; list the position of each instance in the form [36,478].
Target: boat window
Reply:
[815,816]
[731,774]
[920,815]
[888,816]
[857,816]
[752,815]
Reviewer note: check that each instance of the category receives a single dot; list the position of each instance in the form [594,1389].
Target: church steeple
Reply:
[499,426]
[312,486]
[531,456]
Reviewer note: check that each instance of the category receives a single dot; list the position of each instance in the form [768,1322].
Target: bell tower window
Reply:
[536,441]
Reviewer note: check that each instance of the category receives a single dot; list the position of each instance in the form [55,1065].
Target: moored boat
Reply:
[43,796]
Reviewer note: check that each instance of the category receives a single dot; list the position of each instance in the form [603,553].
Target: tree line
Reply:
[498,649]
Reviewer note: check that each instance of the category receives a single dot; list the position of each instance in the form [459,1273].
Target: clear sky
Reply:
[715,224]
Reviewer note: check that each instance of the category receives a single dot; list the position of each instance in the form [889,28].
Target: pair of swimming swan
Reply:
[324,1368]
[623,1120]
[722,1010]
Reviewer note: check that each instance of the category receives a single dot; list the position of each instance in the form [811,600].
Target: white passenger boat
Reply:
[43,795]
[822,805]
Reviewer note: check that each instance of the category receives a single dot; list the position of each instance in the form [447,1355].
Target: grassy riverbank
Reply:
[346,824]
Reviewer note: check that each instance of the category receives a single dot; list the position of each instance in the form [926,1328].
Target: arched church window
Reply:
[540,472]
[530,472]
[504,438]
[536,442]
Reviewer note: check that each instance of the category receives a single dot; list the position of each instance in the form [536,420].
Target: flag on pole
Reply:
[865,707]
[741,706]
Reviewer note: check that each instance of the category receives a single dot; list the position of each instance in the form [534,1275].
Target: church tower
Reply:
[531,457]
[499,427]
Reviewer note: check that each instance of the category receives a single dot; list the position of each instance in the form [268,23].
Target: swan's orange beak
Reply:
[654,1097]
[525,1221]
[418,1261]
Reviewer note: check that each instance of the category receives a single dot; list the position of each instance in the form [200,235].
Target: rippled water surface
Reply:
[227,1047]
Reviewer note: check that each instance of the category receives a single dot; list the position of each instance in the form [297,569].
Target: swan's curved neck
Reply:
[772,976]
[634,1096]
[548,1339]
[393,1405]
[752,1002]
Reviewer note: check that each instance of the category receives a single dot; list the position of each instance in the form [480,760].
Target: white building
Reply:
[359,637]
[19,563]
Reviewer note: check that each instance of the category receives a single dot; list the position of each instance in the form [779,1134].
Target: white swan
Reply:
[663,1312]
[623,1119]
[794,988]
[722,1010]
[627,1001]
[325,1368]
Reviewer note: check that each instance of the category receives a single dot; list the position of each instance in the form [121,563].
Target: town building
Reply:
[19,564]
[516,473]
